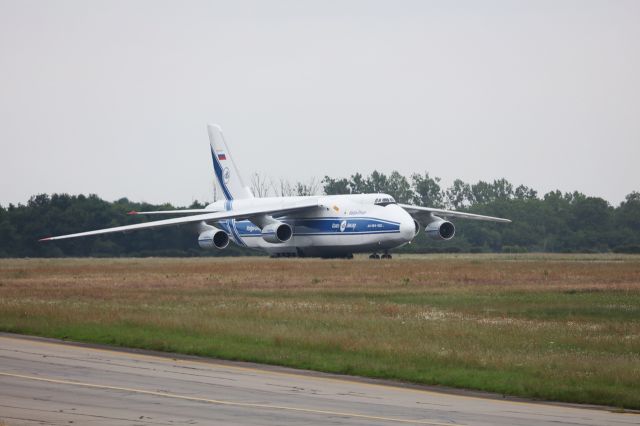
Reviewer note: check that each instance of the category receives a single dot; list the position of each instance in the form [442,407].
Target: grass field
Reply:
[557,327]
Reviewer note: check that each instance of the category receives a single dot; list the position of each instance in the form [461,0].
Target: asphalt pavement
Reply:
[45,381]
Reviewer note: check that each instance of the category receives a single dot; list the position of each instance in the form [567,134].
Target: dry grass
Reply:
[554,327]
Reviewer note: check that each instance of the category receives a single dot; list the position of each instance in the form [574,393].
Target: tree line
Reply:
[552,222]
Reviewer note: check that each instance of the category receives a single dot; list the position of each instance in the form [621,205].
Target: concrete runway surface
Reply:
[45,381]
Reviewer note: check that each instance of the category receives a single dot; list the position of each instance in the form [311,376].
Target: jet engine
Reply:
[440,229]
[277,232]
[213,238]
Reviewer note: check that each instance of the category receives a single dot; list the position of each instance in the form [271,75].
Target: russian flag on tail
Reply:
[221,155]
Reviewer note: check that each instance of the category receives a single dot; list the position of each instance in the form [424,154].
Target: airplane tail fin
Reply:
[227,174]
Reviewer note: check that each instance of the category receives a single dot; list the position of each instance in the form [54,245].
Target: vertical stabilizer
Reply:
[224,168]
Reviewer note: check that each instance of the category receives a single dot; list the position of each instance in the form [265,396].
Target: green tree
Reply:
[427,190]
[399,188]
[359,185]
[332,186]
[525,193]
[482,192]
[377,183]
[459,195]
[628,214]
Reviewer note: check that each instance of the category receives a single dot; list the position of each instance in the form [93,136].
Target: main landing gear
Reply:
[385,255]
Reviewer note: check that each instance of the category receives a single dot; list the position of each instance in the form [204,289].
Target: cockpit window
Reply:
[384,201]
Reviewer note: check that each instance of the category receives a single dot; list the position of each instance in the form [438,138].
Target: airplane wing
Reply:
[420,211]
[278,209]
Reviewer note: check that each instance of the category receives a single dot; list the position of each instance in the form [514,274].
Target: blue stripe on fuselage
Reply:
[236,233]
[229,225]
[327,226]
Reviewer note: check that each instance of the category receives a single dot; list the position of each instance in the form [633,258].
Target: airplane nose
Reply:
[407,227]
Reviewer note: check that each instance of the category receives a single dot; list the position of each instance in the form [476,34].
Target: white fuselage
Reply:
[341,225]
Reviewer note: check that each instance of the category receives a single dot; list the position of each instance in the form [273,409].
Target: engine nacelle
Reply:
[277,232]
[440,230]
[213,238]
[416,225]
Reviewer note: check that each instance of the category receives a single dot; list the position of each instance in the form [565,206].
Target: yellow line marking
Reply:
[228,403]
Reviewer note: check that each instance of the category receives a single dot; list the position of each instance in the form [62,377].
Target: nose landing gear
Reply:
[385,255]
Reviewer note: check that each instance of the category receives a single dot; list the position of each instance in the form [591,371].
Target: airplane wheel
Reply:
[386,256]
[374,256]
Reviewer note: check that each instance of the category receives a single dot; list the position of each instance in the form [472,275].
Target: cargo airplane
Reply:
[307,226]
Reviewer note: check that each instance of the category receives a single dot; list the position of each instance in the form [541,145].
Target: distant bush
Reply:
[514,249]
[478,250]
[452,250]
[627,249]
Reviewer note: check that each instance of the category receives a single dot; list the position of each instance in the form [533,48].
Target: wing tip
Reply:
[132,212]
[45,239]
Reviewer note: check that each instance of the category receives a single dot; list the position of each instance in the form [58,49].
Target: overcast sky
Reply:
[113,97]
